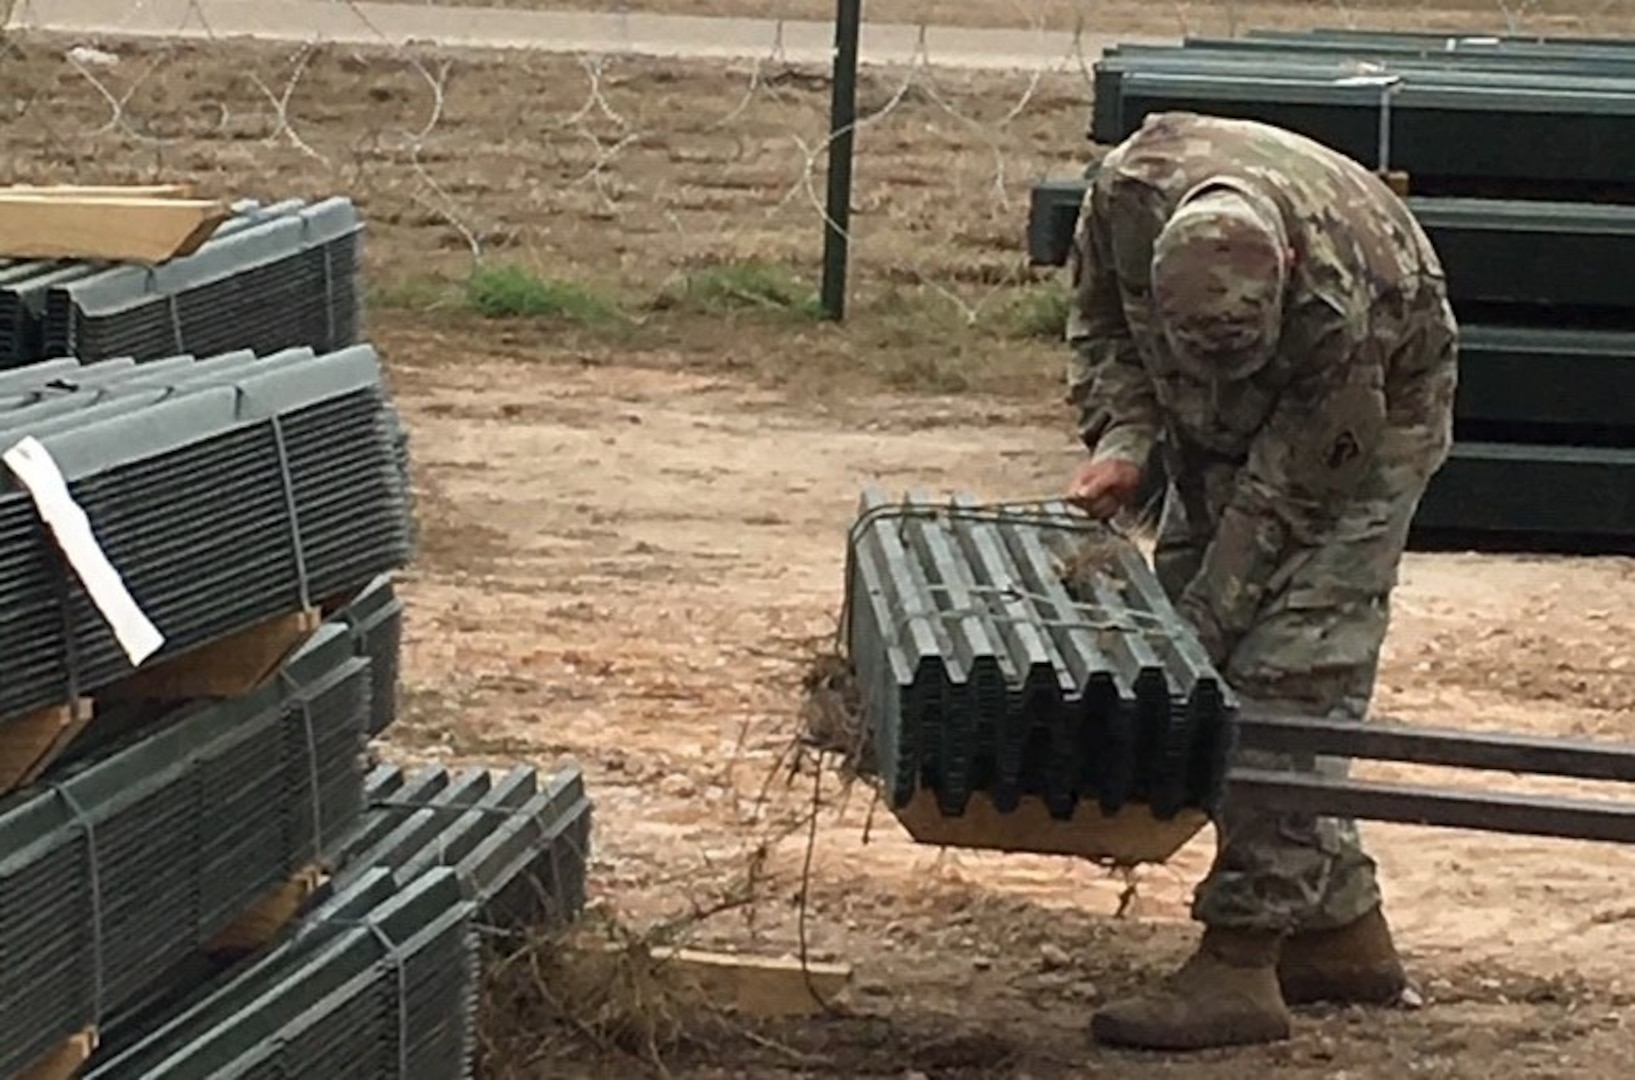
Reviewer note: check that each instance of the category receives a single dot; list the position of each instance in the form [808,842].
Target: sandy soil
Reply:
[634,535]
[627,566]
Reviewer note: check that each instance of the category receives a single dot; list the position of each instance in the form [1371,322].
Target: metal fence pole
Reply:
[842,118]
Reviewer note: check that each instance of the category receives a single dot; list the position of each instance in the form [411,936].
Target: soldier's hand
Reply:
[1101,489]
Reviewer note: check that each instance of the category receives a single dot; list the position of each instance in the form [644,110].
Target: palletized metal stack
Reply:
[521,841]
[244,473]
[129,860]
[383,976]
[270,278]
[1545,413]
[1026,652]
[1463,116]
[227,492]
[379,981]
[375,620]
[1516,155]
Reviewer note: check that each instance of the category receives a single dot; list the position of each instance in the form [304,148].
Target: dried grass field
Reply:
[637,454]
[1132,16]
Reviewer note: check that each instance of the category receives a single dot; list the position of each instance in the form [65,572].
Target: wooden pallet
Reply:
[66,1060]
[268,916]
[93,191]
[143,224]
[1128,838]
[226,668]
[231,667]
[31,743]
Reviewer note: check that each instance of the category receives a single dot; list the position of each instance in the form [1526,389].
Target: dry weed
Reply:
[601,987]
[831,713]
[550,998]
[605,990]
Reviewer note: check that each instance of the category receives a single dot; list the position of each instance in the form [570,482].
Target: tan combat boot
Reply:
[1356,964]
[1225,995]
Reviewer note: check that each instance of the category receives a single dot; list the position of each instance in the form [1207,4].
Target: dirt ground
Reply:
[634,533]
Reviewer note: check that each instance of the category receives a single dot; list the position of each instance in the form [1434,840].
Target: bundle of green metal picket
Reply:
[122,865]
[1460,115]
[1024,652]
[381,979]
[270,277]
[239,460]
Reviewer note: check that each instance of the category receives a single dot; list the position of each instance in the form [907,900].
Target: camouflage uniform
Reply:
[1295,470]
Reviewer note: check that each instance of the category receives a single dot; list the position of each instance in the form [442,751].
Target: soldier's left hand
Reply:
[1103,488]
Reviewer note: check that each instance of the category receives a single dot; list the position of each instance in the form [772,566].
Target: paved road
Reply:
[551,31]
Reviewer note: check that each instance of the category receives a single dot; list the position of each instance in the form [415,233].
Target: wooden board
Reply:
[78,191]
[30,743]
[116,228]
[65,1061]
[229,667]
[760,986]
[1128,838]
[1397,181]
[268,915]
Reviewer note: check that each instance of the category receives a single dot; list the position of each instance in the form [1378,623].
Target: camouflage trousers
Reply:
[1315,650]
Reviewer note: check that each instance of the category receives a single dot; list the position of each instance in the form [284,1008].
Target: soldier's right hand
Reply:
[1103,488]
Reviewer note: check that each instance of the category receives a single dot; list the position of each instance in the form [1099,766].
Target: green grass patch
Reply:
[420,293]
[1037,313]
[748,286]
[759,320]
[915,339]
[508,291]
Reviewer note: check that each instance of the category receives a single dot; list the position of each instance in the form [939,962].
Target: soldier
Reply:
[1273,311]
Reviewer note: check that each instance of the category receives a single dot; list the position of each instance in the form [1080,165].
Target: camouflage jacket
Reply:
[1368,344]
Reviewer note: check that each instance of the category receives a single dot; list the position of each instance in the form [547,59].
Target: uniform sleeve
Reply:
[1107,384]
[1307,461]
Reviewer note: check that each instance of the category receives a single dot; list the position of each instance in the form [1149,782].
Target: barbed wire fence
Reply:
[580,153]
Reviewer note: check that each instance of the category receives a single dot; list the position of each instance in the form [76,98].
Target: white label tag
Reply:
[1368,80]
[32,464]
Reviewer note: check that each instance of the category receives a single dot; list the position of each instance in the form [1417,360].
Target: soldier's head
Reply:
[1218,271]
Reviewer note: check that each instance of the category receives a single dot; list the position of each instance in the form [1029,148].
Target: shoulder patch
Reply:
[1345,438]
[1342,450]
